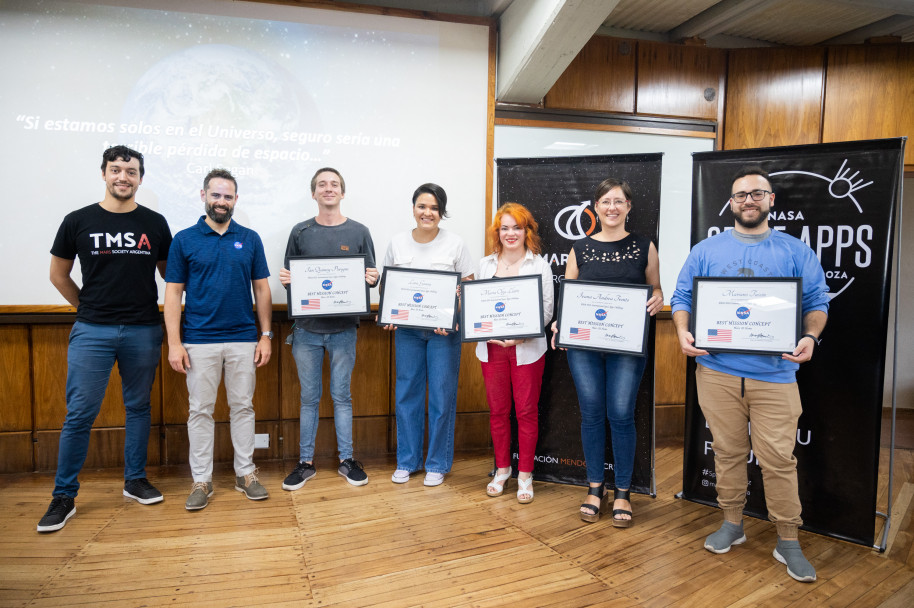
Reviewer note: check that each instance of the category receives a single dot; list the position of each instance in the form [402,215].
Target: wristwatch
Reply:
[818,341]
[268,334]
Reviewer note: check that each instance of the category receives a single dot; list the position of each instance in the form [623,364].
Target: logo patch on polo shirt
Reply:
[238,244]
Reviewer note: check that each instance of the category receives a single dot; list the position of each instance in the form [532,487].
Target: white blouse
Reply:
[531,349]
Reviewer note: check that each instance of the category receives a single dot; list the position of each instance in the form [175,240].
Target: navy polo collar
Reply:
[206,229]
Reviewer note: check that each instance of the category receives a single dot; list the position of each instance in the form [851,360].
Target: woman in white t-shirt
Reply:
[427,358]
[513,369]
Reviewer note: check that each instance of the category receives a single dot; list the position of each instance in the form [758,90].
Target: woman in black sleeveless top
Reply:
[607,383]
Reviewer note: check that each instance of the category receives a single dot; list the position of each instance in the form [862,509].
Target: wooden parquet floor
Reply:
[331,544]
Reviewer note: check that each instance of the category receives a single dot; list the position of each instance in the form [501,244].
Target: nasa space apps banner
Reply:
[558,192]
[840,199]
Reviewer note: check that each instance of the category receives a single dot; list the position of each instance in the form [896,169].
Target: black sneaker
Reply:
[297,478]
[62,508]
[352,471]
[142,491]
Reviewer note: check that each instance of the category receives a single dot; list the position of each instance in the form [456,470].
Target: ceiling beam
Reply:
[718,18]
[537,41]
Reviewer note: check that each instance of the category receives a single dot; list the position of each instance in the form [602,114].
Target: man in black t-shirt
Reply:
[120,244]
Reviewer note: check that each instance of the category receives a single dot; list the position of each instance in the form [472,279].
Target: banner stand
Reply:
[881,547]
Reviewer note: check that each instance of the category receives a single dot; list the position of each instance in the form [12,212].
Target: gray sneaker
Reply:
[729,534]
[199,494]
[251,486]
[788,552]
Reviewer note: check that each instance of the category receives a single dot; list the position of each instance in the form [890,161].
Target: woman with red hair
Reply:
[513,369]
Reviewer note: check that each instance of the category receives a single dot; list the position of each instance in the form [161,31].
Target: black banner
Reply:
[839,199]
[558,193]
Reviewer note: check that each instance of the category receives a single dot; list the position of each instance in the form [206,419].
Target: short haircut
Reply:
[524,219]
[331,170]
[608,184]
[219,174]
[121,153]
[436,191]
[747,170]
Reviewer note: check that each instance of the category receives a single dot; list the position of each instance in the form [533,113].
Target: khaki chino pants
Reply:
[771,411]
[207,362]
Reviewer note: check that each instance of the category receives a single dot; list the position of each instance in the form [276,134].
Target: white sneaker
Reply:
[400,476]
[433,479]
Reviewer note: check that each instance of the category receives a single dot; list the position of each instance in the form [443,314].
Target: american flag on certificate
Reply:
[311,304]
[579,333]
[401,314]
[720,335]
[482,327]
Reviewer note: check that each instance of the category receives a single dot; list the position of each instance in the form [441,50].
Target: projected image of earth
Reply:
[218,105]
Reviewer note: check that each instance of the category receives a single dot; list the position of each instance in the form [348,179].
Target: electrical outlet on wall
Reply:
[261,441]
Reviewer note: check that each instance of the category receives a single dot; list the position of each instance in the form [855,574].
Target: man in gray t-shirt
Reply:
[329,233]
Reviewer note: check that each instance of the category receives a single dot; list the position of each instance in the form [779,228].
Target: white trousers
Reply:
[207,361]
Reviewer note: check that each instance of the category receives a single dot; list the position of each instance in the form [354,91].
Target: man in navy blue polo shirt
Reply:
[217,262]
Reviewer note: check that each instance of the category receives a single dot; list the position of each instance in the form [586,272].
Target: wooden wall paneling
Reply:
[601,78]
[672,80]
[472,431]
[289,438]
[369,436]
[174,392]
[49,356]
[774,97]
[669,365]
[15,380]
[290,390]
[16,452]
[106,449]
[471,390]
[371,376]
[266,391]
[868,93]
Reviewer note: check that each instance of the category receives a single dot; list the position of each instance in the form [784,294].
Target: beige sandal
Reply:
[525,486]
[496,487]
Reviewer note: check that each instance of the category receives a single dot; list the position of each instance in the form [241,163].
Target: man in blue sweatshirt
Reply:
[736,391]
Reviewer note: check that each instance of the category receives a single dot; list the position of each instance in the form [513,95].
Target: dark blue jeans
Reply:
[607,386]
[91,356]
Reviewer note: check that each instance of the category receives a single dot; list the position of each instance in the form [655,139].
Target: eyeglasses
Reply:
[757,195]
[613,203]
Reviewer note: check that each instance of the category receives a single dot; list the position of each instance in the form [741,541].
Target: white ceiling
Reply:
[722,23]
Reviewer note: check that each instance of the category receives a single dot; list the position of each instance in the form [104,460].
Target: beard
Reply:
[131,191]
[220,216]
[762,216]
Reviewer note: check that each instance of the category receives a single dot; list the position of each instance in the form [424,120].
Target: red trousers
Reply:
[508,382]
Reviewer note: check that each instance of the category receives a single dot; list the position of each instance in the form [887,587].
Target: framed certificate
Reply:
[610,317]
[759,316]
[502,309]
[327,287]
[424,299]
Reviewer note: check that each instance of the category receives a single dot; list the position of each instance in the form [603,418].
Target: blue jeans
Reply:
[308,350]
[90,358]
[424,357]
[607,386]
